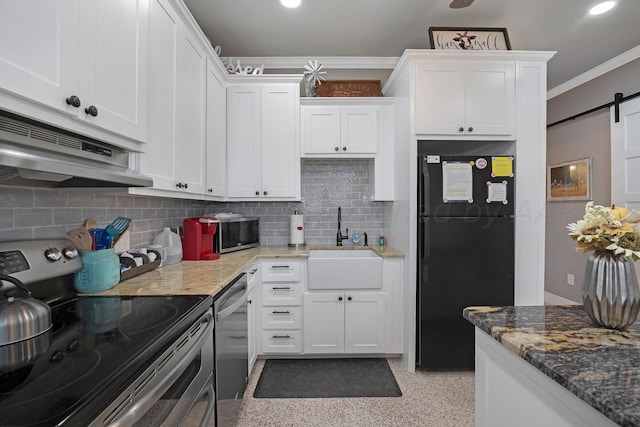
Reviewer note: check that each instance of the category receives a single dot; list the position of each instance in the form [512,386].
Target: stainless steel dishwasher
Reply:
[231,350]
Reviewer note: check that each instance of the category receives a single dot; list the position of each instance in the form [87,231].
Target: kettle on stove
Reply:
[25,324]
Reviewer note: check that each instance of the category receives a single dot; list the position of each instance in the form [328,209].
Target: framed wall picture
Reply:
[469,38]
[569,181]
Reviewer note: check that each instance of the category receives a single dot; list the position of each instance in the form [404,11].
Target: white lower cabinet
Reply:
[280,315]
[344,322]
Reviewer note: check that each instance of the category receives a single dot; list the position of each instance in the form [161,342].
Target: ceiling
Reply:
[385,28]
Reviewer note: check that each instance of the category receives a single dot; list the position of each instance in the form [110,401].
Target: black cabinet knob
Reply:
[339,298]
[181,185]
[257,193]
[210,190]
[73,100]
[461,129]
[470,128]
[337,149]
[91,110]
[349,298]
[344,148]
[264,192]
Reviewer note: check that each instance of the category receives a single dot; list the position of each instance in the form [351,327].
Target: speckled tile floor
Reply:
[429,399]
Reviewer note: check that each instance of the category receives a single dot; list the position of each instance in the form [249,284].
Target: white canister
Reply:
[296,231]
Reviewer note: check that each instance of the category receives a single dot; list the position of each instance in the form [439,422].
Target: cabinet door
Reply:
[216,165]
[113,64]
[190,110]
[39,50]
[364,322]
[159,159]
[490,95]
[360,129]
[439,97]
[321,131]
[244,165]
[280,152]
[323,323]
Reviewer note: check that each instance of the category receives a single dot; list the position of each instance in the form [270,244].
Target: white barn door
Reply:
[625,155]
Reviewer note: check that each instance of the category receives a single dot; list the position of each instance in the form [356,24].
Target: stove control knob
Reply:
[53,254]
[70,252]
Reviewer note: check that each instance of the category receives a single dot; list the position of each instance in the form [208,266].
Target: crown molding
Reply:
[330,62]
[615,62]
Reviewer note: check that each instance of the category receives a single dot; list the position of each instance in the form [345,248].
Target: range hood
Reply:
[36,155]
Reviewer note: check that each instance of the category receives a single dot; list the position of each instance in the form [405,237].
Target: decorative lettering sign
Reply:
[452,38]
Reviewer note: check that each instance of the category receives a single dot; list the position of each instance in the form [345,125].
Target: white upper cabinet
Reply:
[41,63]
[191,92]
[216,134]
[337,129]
[82,60]
[465,99]
[113,65]
[175,156]
[263,158]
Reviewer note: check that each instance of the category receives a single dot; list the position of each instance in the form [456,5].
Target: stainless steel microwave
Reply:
[236,233]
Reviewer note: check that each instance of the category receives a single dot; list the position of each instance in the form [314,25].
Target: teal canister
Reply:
[100,271]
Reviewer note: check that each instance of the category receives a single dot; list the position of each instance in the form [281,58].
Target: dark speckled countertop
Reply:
[600,366]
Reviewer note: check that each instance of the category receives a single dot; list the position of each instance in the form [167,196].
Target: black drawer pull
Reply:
[281,336]
[281,288]
[279,266]
[281,312]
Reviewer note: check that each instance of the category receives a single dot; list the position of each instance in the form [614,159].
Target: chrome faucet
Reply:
[340,237]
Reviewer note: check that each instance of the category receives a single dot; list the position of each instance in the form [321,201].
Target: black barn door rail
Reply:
[617,100]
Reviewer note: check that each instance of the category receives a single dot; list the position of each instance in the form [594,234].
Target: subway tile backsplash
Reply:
[30,213]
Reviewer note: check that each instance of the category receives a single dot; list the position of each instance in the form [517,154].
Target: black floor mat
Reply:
[304,378]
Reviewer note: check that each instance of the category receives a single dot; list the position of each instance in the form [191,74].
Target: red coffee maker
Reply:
[197,238]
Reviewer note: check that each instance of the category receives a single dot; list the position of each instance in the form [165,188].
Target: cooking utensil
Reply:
[101,239]
[90,223]
[22,318]
[81,238]
[117,226]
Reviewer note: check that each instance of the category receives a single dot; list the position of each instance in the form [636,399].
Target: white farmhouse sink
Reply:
[344,269]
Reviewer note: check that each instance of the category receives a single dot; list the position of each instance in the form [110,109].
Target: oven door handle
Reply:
[222,314]
[153,395]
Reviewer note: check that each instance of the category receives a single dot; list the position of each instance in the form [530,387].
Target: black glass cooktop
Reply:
[97,346]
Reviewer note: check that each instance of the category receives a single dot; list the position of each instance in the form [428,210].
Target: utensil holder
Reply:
[100,271]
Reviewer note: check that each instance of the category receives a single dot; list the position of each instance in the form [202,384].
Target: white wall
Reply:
[587,136]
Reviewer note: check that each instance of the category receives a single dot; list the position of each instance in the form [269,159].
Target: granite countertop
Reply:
[600,366]
[210,277]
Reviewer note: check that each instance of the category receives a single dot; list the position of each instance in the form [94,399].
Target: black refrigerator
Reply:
[465,250]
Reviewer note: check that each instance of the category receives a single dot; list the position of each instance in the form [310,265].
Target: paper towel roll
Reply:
[296,230]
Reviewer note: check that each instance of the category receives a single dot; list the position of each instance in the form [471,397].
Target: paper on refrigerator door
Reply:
[457,182]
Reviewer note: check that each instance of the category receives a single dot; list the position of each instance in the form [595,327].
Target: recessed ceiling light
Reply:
[601,8]
[290,3]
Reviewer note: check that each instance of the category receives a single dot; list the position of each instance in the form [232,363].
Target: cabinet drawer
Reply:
[281,342]
[280,294]
[285,270]
[281,317]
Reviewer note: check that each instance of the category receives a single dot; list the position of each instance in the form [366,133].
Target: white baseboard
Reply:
[553,299]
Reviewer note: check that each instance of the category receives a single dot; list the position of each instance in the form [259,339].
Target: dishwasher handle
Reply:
[222,314]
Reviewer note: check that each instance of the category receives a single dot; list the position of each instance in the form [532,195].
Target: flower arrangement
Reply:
[608,229]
